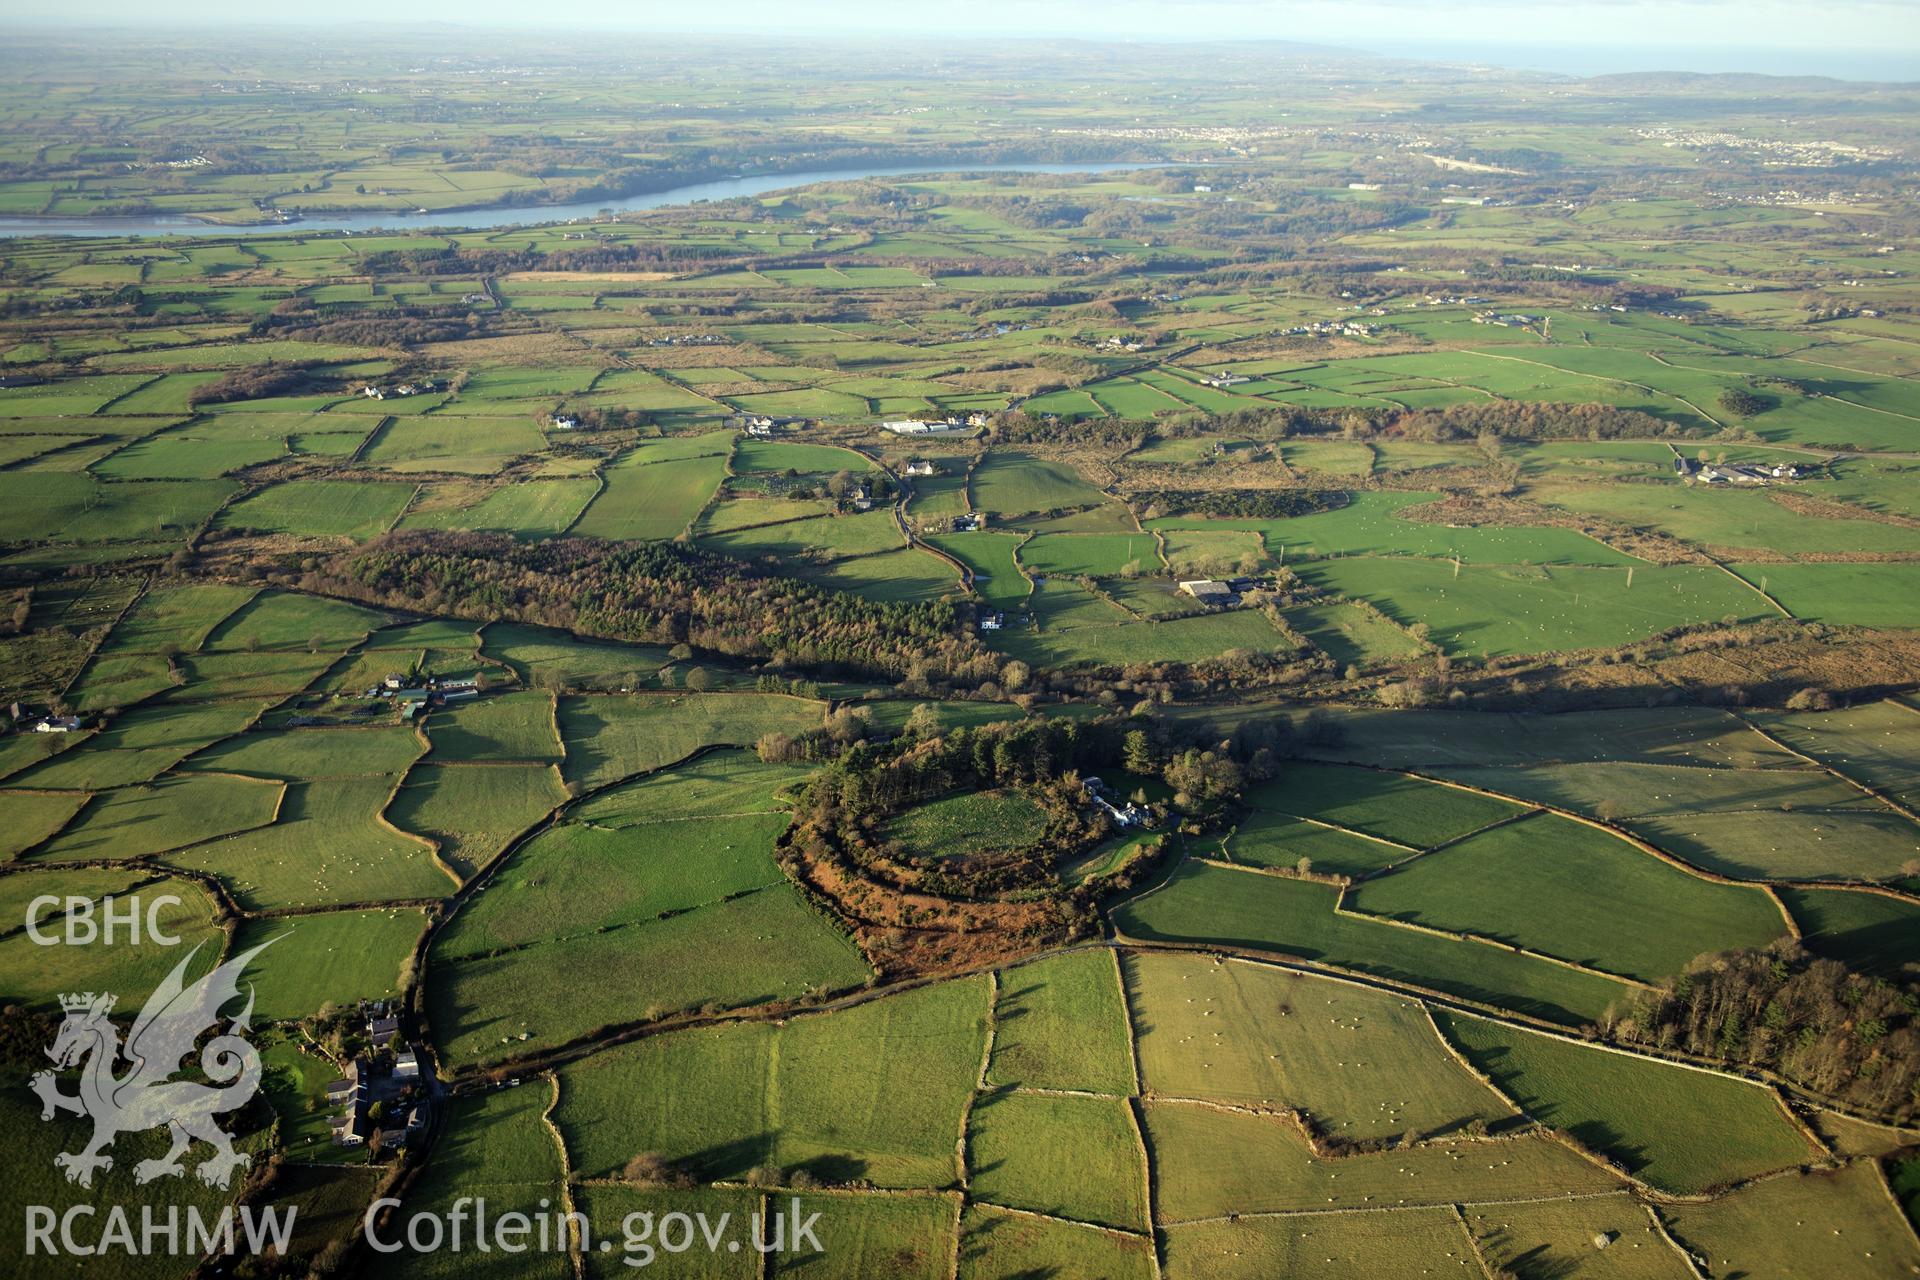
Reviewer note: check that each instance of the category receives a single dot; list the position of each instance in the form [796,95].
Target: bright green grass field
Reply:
[1679,1129]
[1096,555]
[764,946]
[472,811]
[580,878]
[167,814]
[1060,1023]
[1268,838]
[138,745]
[996,1245]
[514,726]
[1363,1063]
[1069,1157]
[1868,932]
[329,846]
[718,784]
[976,822]
[530,509]
[575,662]
[302,755]
[29,817]
[1371,525]
[320,509]
[1122,642]
[334,958]
[872,1091]
[862,1234]
[1851,595]
[610,738]
[1010,483]
[1565,889]
[651,500]
[1206,904]
[990,556]
[1388,806]
[1493,610]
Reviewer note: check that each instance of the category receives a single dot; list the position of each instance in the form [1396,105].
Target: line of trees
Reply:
[1811,1020]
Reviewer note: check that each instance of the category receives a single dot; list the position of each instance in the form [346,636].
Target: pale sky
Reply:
[1613,34]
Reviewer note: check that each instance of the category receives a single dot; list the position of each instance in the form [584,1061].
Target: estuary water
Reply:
[519,216]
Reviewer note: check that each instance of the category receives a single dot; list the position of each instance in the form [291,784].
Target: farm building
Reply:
[921,467]
[1207,591]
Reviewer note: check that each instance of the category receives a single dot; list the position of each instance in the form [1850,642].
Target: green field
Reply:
[974,824]
[1679,1129]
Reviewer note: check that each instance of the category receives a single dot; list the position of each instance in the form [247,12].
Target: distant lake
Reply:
[173,224]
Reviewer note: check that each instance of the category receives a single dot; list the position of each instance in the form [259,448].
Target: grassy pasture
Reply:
[1561,1236]
[650,500]
[507,727]
[1268,838]
[1867,932]
[1350,634]
[1850,595]
[1059,1023]
[282,620]
[1495,610]
[610,1207]
[33,816]
[139,745]
[329,846]
[527,509]
[35,976]
[1009,483]
[1388,806]
[163,815]
[1834,1223]
[1364,1064]
[1070,1157]
[497,1146]
[1114,641]
[1679,1129]
[610,738]
[583,877]
[1206,904]
[767,945]
[1877,744]
[302,755]
[320,509]
[338,957]
[1396,1246]
[1867,844]
[1371,524]
[1213,1162]
[996,575]
[719,784]
[1094,555]
[1663,735]
[471,812]
[1561,888]
[995,1244]
[976,822]
[875,1090]
[908,1237]
[575,662]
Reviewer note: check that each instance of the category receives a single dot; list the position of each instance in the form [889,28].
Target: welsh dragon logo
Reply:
[145,1095]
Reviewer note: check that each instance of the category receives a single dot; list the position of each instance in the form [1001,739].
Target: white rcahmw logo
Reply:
[144,1094]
